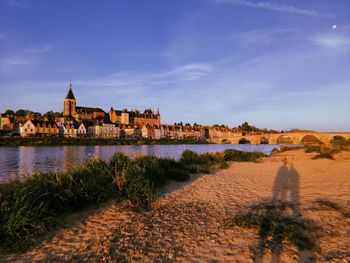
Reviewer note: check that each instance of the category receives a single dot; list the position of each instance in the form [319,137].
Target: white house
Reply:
[68,130]
[80,129]
[27,129]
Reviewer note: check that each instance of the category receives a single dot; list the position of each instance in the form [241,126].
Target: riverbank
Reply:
[187,223]
[33,204]
[60,141]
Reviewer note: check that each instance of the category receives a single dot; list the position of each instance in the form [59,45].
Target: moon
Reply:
[334,26]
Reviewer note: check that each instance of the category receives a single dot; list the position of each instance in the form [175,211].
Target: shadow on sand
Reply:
[285,192]
[279,221]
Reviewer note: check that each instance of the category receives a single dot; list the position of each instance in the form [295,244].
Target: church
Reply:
[122,117]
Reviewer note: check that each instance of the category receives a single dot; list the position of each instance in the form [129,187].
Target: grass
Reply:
[240,156]
[30,207]
[276,227]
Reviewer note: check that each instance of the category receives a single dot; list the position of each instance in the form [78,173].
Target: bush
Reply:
[118,165]
[241,156]
[173,170]
[140,180]
[311,149]
[323,155]
[190,157]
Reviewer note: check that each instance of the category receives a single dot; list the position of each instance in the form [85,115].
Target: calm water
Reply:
[19,161]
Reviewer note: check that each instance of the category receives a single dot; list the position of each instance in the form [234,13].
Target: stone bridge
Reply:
[281,138]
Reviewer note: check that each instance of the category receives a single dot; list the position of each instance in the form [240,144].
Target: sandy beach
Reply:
[187,223]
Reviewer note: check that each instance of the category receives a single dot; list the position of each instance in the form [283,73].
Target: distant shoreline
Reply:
[60,141]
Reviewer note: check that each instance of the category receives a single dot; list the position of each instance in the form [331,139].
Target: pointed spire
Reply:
[70,94]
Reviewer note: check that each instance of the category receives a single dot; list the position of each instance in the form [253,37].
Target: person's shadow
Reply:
[286,191]
[286,186]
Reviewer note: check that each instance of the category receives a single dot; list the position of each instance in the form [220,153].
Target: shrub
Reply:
[118,165]
[323,155]
[311,149]
[190,157]
[140,180]
[173,170]
[241,156]
[291,148]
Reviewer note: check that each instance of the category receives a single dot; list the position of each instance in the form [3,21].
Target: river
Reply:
[25,160]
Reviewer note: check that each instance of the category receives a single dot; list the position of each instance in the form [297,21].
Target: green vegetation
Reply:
[276,226]
[323,156]
[57,141]
[245,127]
[32,206]
[290,148]
[240,156]
[313,148]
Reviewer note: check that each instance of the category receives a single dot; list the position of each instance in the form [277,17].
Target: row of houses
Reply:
[105,129]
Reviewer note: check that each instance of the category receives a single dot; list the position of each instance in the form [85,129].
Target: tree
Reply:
[9,112]
[21,113]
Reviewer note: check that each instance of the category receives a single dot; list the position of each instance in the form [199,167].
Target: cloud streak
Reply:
[23,57]
[273,7]
[332,41]
[15,3]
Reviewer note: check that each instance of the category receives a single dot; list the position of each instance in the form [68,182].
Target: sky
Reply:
[275,64]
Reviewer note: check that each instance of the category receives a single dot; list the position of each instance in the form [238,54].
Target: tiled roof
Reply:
[88,109]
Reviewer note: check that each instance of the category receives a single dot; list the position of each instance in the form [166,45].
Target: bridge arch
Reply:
[284,139]
[243,141]
[264,140]
[338,139]
[310,139]
[225,141]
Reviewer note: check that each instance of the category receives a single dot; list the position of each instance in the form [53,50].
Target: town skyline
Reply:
[199,61]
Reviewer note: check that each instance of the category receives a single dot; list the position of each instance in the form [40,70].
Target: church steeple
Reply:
[69,105]
[70,95]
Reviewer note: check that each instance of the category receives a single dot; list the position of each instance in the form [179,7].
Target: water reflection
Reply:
[24,160]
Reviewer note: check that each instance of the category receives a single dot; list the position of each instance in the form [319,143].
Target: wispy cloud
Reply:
[332,41]
[274,7]
[22,57]
[15,3]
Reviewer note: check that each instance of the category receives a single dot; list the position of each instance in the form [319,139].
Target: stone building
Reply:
[121,117]
[134,117]
[78,112]
[103,129]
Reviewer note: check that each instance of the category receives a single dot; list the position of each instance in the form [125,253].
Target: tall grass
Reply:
[30,207]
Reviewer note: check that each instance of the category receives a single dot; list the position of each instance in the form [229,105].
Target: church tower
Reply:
[69,104]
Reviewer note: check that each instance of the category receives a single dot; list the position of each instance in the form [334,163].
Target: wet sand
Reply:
[187,224]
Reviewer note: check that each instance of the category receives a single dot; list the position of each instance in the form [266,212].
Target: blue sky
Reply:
[276,64]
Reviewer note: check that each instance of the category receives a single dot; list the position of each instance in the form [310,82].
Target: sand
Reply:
[188,222]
